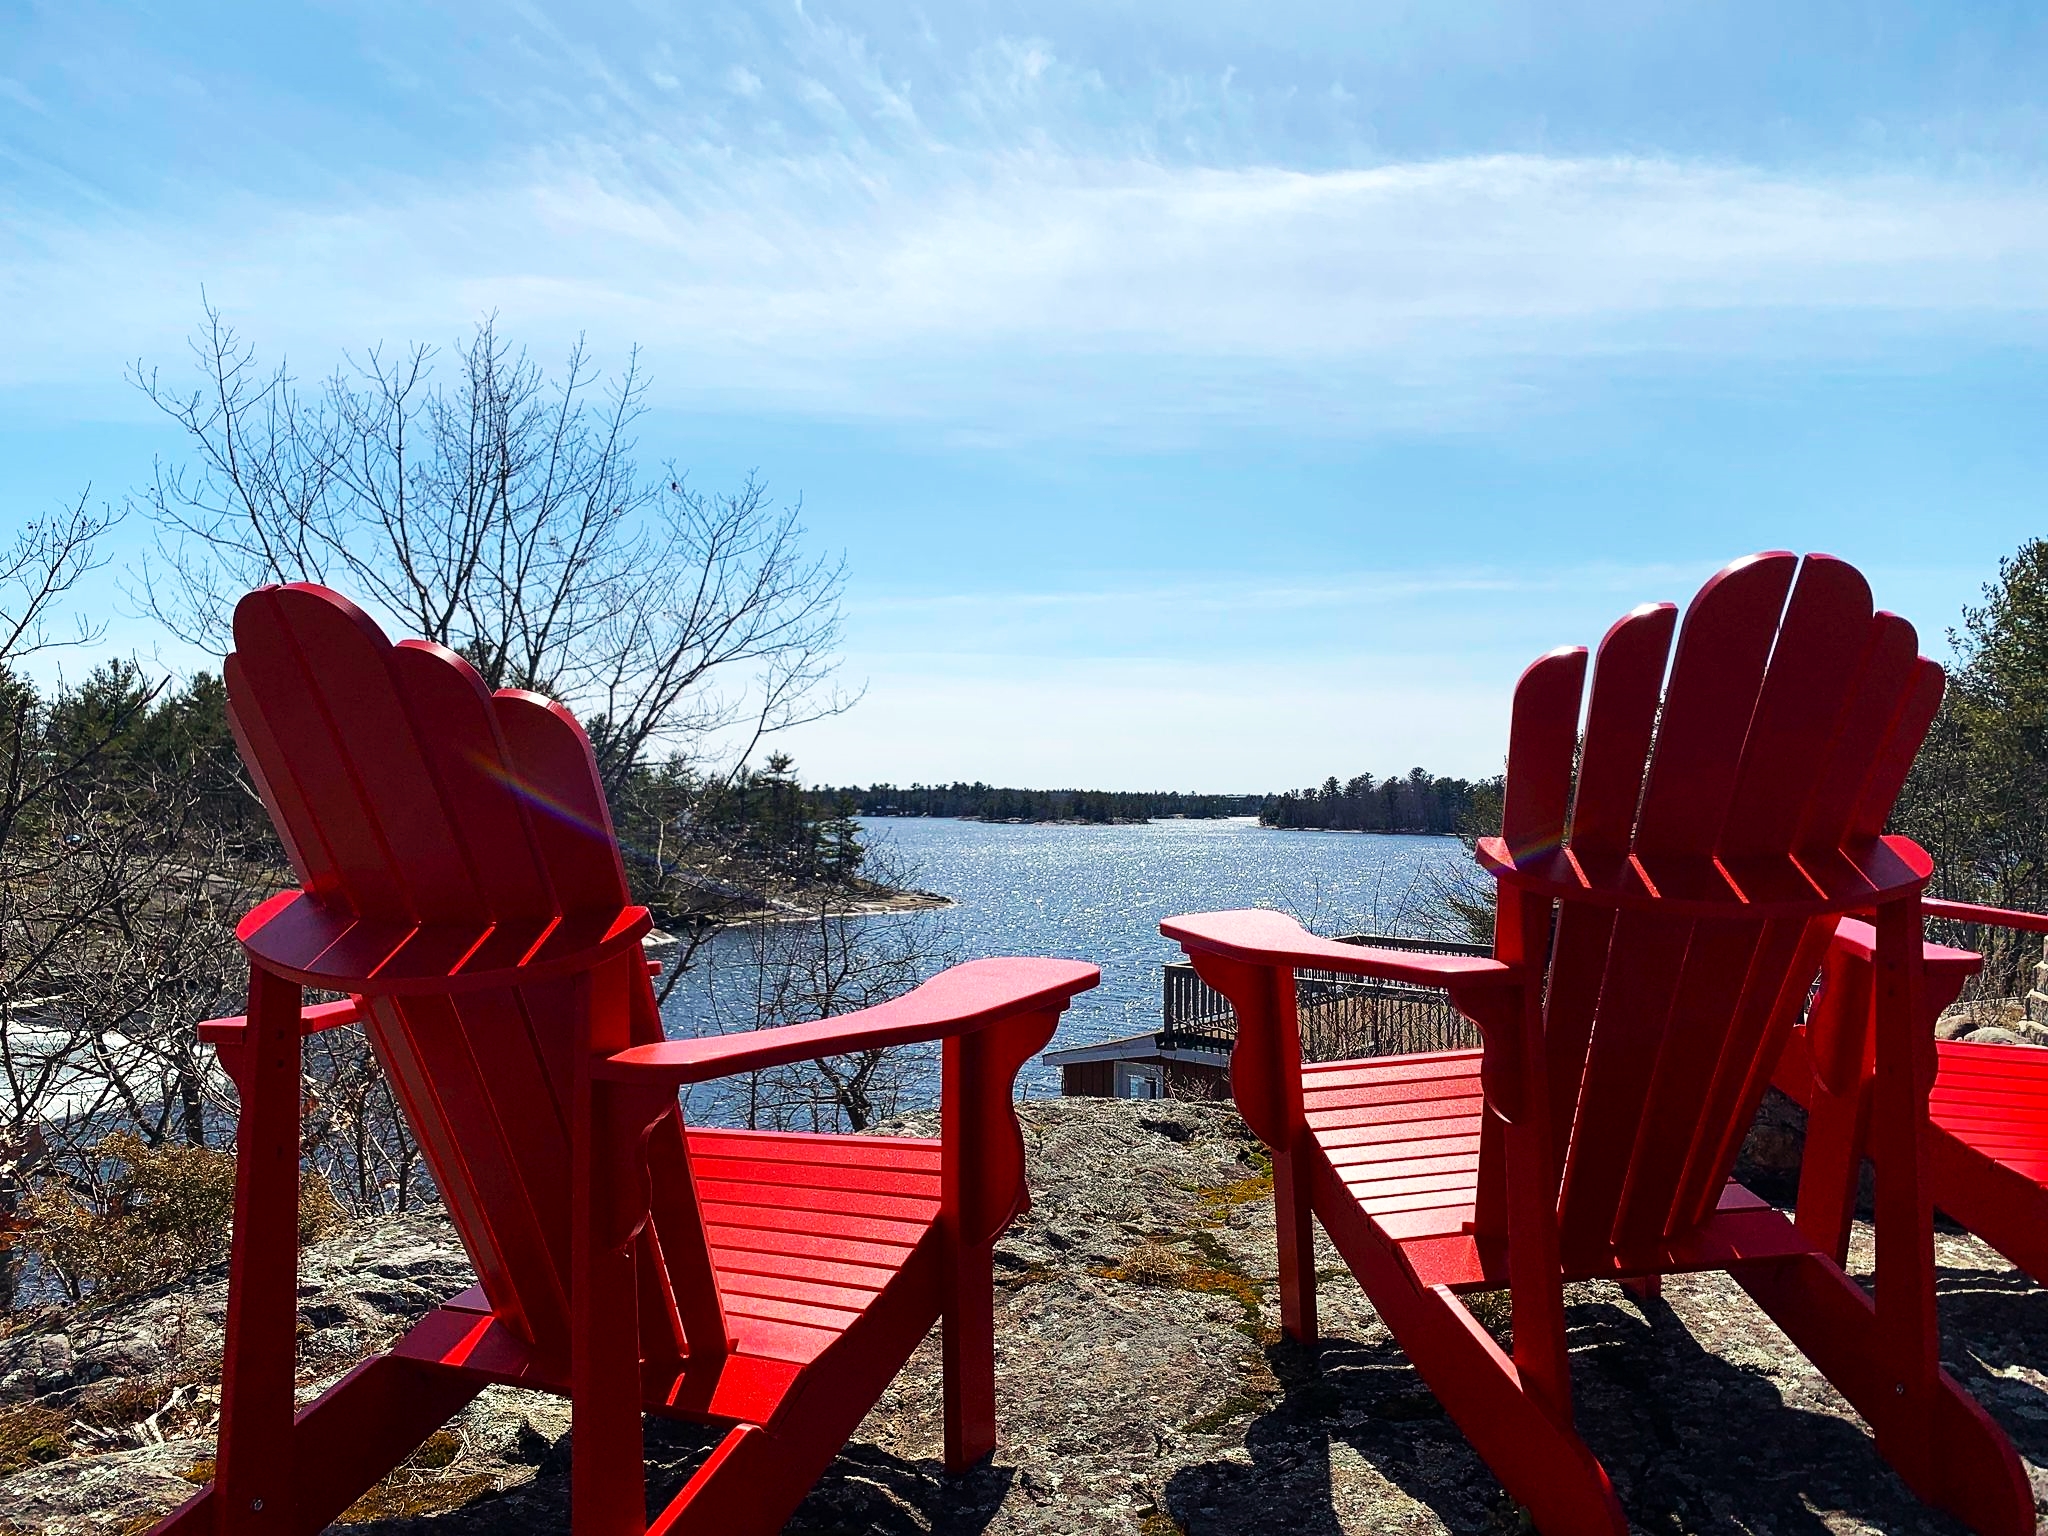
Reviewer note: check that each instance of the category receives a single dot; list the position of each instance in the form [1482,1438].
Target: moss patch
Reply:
[432,1497]
[1023,1275]
[1208,1271]
[1239,1405]
[1220,1199]
[31,1434]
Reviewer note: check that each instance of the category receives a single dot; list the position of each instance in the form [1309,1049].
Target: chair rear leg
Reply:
[968,1342]
[1831,1162]
[1544,1465]
[1538,1457]
[607,1469]
[751,1485]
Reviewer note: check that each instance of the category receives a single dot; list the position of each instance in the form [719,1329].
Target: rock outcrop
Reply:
[1143,1387]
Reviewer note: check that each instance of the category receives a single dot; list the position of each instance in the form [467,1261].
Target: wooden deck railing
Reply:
[1341,1017]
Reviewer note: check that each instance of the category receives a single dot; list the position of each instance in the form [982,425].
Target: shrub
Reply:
[150,1214]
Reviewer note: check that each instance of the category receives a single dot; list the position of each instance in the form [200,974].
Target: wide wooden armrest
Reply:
[1256,936]
[312,1019]
[1991,917]
[954,1002]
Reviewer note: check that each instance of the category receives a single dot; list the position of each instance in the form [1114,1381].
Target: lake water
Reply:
[1098,894]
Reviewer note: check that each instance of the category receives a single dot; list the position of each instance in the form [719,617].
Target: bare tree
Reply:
[47,559]
[355,1133]
[800,968]
[117,900]
[502,514]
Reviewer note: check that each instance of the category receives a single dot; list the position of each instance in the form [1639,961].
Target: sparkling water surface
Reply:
[1098,893]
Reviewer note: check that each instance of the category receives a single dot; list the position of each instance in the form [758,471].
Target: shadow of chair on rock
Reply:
[866,1490]
[1994,1320]
[1693,1442]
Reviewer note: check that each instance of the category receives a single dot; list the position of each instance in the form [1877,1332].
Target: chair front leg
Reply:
[607,1474]
[1265,1080]
[1295,1247]
[982,1189]
[253,1483]
[609,1198]
[968,1359]
[1908,1332]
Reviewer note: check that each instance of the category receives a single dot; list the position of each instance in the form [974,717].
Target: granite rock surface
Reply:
[1143,1386]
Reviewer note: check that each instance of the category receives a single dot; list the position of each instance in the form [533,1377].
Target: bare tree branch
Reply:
[504,515]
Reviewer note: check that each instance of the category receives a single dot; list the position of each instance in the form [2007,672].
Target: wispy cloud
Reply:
[854,285]
[997,241]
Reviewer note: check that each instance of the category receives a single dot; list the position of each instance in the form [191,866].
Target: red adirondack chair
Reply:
[1986,1138]
[460,880]
[1667,888]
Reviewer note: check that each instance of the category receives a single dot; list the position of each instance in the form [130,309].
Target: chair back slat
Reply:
[511,875]
[405,790]
[1543,740]
[402,853]
[1894,759]
[1786,726]
[553,774]
[1628,675]
[1822,643]
[414,1089]
[480,1146]
[1716,676]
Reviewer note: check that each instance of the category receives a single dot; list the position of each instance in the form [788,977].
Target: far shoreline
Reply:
[882,905]
[1156,821]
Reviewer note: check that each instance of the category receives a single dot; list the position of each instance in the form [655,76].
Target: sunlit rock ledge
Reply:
[1142,1385]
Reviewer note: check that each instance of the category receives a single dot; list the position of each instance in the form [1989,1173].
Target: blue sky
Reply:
[1214,397]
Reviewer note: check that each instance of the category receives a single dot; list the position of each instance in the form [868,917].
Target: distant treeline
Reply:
[985,802]
[1418,802]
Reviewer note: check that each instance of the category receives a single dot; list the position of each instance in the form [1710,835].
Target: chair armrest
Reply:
[1990,917]
[1260,937]
[312,1019]
[959,1001]
[1854,936]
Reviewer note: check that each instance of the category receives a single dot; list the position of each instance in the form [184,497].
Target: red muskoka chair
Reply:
[461,881]
[1668,885]
[1985,1144]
